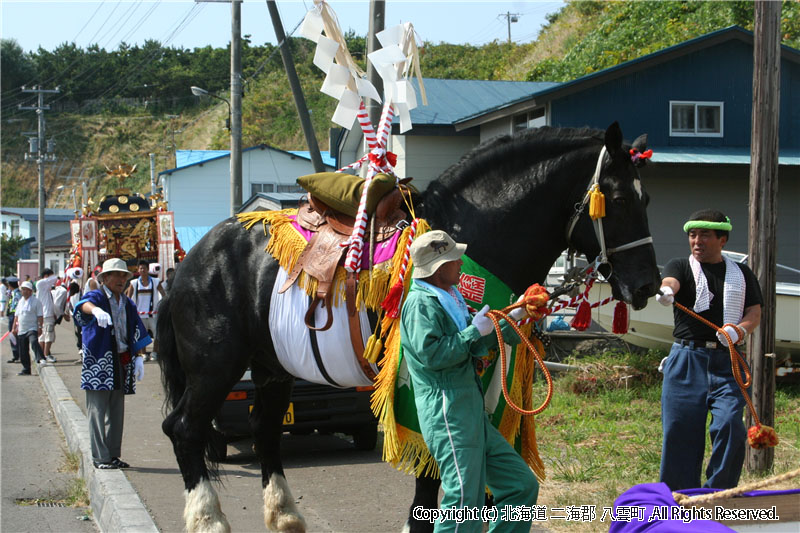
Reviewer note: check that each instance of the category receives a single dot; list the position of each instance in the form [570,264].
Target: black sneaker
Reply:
[13,361]
[105,466]
[24,373]
[116,461]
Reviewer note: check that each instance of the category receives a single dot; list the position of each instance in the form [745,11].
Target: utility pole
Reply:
[42,155]
[377,17]
[173,147]
[297,90]
[236,106]
[235,103]
[510,17]
[764,216]
[152,175]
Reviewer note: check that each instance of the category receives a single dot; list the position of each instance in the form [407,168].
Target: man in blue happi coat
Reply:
[113,335]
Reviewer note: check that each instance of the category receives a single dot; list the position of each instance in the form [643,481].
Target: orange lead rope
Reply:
[532,298]
[758,436]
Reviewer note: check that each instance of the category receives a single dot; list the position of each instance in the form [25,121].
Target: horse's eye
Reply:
[619,200]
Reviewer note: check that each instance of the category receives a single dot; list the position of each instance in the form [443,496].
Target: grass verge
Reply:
[601,434]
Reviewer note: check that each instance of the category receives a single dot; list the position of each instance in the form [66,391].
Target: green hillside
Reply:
[119,106]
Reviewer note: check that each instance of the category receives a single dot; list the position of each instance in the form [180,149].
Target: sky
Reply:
[189,24]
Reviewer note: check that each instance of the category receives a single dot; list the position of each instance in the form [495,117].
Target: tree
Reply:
[16,67]
[9,247]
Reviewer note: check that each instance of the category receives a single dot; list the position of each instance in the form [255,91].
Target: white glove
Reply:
[520,313]
[103,318]
[483,322]
[661,364]
[666,297]
[730,330]
[138,368]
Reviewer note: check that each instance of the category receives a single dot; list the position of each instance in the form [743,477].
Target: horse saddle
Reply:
[325,251]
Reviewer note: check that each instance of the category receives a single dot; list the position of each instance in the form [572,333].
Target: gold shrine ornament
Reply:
[133,207]
[114,209]
[122,199]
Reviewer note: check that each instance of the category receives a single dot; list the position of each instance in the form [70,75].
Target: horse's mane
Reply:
[524,149]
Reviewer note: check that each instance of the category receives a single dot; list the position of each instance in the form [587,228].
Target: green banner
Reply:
[479,287]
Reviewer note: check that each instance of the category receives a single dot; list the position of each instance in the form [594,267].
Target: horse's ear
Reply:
[640,144]
[613,139]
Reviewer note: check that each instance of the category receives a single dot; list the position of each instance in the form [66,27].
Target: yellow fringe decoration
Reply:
[286,244]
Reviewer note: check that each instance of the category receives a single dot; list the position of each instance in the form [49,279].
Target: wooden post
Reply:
[763,215]
[297,89]
[377,14]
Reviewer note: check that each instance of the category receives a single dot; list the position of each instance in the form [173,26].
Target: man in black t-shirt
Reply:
[697,374]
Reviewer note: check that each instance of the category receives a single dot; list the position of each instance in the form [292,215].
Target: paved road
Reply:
[33,458]
[337,488]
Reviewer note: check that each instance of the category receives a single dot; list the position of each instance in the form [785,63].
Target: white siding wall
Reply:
[497,127]
[24,225]
[427,157]
[200,195]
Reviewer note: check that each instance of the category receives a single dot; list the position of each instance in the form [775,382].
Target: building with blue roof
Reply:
[693,100]
[198,188]
[24,222]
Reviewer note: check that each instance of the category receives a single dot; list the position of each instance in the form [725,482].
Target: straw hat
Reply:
[114,265]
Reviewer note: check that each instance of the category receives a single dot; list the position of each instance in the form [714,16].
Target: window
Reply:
[534,118]
[290,188]
[15,228]
[696,119]
[261,187]
[55,265]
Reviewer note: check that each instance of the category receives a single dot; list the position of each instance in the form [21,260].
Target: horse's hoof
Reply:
[280,512]
[203,513]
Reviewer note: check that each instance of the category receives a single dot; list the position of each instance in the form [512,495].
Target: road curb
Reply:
[116,506]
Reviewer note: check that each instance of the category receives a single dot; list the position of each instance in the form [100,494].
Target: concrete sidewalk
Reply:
[115,504]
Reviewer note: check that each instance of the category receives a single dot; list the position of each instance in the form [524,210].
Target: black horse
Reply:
[516,200]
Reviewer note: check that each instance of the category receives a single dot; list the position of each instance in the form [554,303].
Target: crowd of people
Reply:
[114,323]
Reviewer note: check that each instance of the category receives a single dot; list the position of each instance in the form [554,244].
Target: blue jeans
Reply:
[698,381]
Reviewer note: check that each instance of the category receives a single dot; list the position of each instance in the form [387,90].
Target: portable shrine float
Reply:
[126,225]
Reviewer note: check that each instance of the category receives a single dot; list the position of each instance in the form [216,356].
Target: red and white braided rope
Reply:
[573,302]
[377,164]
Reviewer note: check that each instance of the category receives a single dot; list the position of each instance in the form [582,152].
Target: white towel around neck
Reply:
[733,293]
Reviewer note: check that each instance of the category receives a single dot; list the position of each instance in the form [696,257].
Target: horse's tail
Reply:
[172,376]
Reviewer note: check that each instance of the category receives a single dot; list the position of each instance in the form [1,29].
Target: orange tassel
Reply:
[620,323]
[762,437]
[583,316]
[391,304]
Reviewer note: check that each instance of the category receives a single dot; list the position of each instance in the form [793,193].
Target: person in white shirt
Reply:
[27,325]
[146,292]
[48,336]
[4,292]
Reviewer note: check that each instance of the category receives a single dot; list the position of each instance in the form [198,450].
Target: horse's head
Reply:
[631,267]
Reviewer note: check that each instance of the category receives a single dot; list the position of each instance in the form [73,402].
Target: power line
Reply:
[96,11]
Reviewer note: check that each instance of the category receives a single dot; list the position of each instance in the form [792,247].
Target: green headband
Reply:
[706,224]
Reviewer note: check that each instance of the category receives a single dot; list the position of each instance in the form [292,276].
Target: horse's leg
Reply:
[187,427]
[266,420]
[426,495]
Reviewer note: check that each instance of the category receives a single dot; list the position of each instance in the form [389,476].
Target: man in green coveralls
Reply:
[440,342]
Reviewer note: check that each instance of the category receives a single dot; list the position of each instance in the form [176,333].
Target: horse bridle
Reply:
[605,253]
